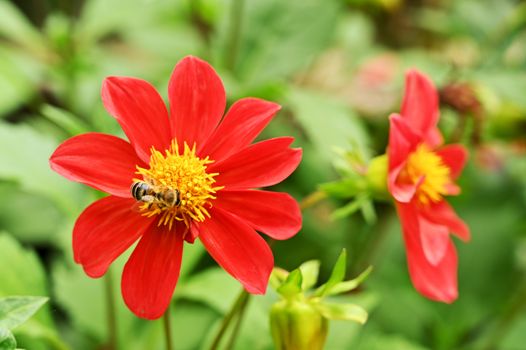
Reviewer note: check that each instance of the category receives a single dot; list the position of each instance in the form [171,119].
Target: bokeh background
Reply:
[337,67]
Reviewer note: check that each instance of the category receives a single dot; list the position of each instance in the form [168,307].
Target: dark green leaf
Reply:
[7,340]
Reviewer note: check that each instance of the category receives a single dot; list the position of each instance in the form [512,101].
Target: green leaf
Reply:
[18,79]
[344,188]
[274,29]
[346,312]
[337,275]
[346,286]
[70,123]
[277,277]
[368,212]
[309,271]
[197,288]
[329,125]
[16,27]
[24,156]
[29,217]
[292,285]
[348,209]
[22,274]
[7,340]
[16,310]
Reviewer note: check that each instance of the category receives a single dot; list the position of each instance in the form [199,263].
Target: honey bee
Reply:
[144,192]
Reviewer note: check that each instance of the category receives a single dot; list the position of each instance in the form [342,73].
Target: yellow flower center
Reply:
[426,167]
[179,188]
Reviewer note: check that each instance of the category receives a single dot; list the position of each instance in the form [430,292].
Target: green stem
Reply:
[312,199]
[368,255]
[236,16]
[236,307]
[237,325]
[111,314]
[508,316]
[167,329]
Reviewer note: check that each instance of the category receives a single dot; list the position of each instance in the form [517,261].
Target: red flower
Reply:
[421,172]
[193,176]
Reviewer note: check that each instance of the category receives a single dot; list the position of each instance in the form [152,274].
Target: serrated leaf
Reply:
[292,285]
[346,286]
[346,312]
[7,340]
[16,310]
[309,271]
[337,275]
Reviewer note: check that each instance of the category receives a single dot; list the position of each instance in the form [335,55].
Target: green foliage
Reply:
[337,69]
[7,340]
[16,310]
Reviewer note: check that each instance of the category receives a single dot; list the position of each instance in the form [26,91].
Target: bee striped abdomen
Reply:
[139,190]
[164,198]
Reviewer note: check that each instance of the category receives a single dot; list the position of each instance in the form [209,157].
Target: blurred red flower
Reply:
[421,172]
[192,176]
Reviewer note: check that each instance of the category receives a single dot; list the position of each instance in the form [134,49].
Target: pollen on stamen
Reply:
[181,171]
[428,169]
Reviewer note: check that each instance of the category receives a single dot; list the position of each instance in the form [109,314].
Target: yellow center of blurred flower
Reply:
[427,168]
[179,187]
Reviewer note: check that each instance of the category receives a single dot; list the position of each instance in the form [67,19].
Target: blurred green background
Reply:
[337,68]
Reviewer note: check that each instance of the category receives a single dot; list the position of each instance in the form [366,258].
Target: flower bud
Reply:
[377,175]
[297,325]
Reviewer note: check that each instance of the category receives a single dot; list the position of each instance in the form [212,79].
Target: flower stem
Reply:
[513,310]
[111,314]
[237,325]
[236,308]
[312,199]
[167,329]
[236,15]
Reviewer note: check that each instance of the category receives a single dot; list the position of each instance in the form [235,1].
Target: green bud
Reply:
[297,325]
[377,175]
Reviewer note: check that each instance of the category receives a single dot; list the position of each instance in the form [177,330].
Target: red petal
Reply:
[435,240]
[238,249]
[104,162]
[241,125]
[140,111]
[455,157]
[443,214]
[275,214]
[151,273]
[104,231]
[197,100]
[437,282]
[420,104]
[402,141]
[262,164]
